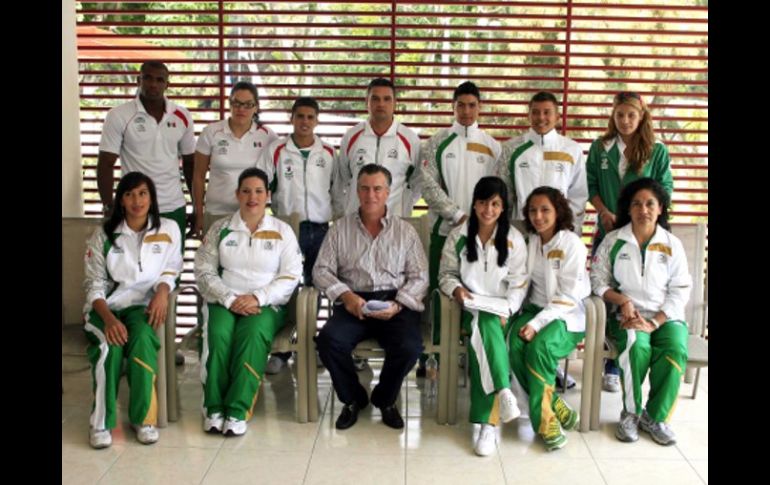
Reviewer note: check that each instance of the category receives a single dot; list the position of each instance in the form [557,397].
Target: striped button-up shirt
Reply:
[351,259]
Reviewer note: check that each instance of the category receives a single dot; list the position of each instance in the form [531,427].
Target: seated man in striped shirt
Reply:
[373,267]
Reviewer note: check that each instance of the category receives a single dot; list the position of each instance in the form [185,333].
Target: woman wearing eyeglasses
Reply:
[227,147]
[626,152]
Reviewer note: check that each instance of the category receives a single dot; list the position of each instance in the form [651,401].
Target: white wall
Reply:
[71,179]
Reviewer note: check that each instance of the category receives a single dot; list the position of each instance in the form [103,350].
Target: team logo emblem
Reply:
[268,245]
[392,153]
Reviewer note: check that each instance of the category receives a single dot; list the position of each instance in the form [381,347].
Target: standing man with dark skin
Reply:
[148,134]
[371,256]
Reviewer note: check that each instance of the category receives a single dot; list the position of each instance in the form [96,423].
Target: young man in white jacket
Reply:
[453,161]
[302,170]
[542,156]
[383,141]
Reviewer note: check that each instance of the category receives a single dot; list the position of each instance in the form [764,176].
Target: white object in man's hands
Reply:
[375,306]
[489,304]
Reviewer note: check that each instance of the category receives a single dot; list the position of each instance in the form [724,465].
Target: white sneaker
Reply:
[360,364]
[486,443]
[235,427]
[274,365]
[611,383]
[146,434]
[100,438]
[509,410]
[213,423]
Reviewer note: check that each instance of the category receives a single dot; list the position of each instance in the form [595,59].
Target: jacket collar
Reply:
[626,233]
[292,147]
[391,131]
[548,140]
[237,223]
[466,131]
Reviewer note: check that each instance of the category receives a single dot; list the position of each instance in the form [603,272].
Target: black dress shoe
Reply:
[391,417]
[348,416]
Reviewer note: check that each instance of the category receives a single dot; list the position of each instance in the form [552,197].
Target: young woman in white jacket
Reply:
[552,321]
[485,259]
[247,268]
[131,266]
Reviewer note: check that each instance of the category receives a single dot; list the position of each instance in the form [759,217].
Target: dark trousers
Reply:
[400,337]
[311,235]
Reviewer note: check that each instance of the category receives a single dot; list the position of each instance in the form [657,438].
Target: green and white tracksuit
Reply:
[488,359]
[655,277]
[532,160]
[454,159]
[231,262]
[303,180]
[607,172]
[558,284]
[126,274]
[398,150]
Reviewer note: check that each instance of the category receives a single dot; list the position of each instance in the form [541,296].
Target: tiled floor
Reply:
[278,450]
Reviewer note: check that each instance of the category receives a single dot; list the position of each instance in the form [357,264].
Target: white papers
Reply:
[490,304]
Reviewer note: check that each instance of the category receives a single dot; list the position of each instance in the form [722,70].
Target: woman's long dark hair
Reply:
[486,188]
[628,193]
[128,182]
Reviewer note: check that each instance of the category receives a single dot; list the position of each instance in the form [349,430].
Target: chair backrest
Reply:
[292,220]
[422,226]
[693,237]
[74,233]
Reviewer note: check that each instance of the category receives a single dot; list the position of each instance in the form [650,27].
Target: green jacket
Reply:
[604,177]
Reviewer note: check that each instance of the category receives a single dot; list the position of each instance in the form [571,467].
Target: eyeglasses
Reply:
[237,104]
[627,94]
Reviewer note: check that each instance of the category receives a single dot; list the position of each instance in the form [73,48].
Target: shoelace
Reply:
[563,412]
[553,430]
[628,422]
